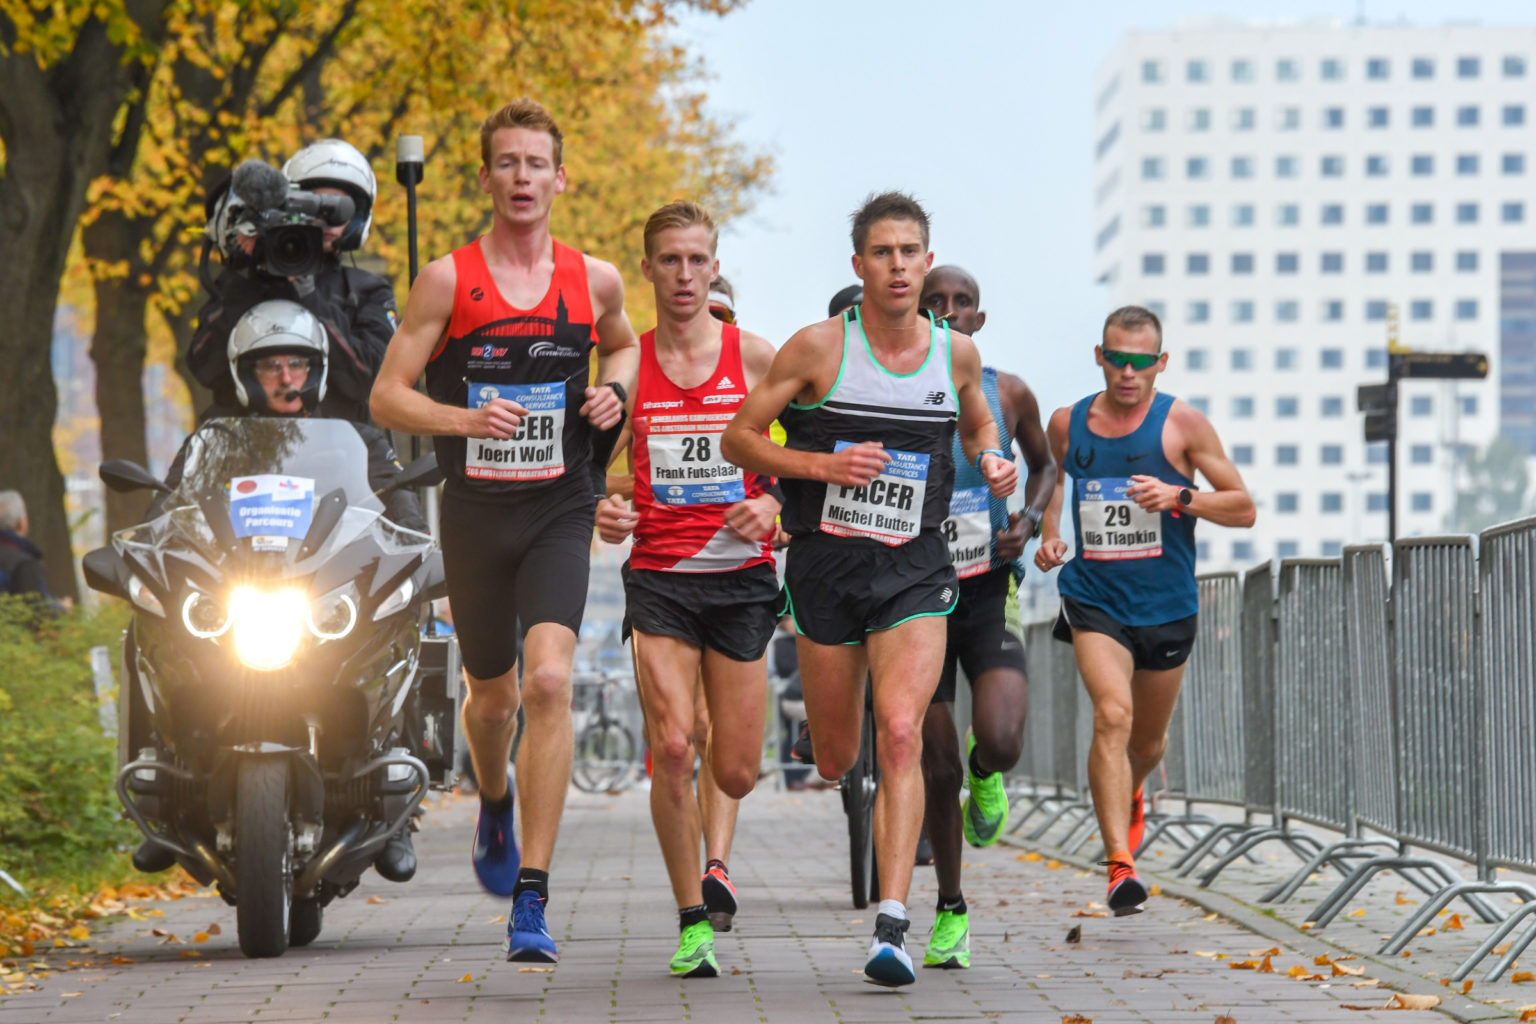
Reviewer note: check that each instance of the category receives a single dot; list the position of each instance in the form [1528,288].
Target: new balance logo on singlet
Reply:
[934,398]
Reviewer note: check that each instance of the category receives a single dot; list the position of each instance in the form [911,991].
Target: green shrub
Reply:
[59,815]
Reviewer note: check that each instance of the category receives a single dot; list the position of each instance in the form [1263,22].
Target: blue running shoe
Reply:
[528,939]
[495,854]
[888,963]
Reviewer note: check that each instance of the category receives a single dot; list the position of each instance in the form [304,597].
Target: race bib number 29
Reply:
[1113,525]
[536,451]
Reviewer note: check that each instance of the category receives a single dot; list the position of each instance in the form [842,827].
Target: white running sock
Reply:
[894,908]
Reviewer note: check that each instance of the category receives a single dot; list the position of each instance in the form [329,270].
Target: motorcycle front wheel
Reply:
[264,871]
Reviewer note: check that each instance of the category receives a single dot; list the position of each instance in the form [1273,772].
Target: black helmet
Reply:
[270,328]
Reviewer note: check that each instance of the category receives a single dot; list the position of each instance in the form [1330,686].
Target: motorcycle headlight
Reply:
[140,594]
[204,616]
[396,601]
[267,625]
[332,617]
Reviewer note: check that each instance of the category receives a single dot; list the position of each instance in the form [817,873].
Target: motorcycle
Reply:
[271,705]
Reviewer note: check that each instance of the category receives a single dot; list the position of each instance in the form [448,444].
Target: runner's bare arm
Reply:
[396,404]
[756,357]
[1228,502]
[754,518]
[1022,413]
[1053,550]
[977,431]
[618,351]
[793,373]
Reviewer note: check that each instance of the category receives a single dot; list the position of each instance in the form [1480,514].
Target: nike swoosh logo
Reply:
[1133,458]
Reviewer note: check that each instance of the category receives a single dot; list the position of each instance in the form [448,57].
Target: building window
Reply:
[1331,167]
[1196,71]
[1242,263]
[1151,71]
[1287,548]
[1377,117]
[1376,166]
[1423,67]
[1375,502]
[1469,405]
[1285,501]
[1423,117]
[1376,454]
[1242,551]
[1466,213]
[1286,262]
[1197,168]
[1422,262]
[1288,119]
[1333,310]
[1154,119]
[1332,263]
[1333,214]
[1242,71]
[1331,455]
[1421,310]
[1285,167]
[1467,117]
[1287,70]
[1331,407]
[1154,216]
[1422,213]
[1376,358]
[1467,164]
[1422,165]
[1242,167]
[1285,359]
[1466,309]
[1286,407]
[1199,215]
[1468,67]
[1198,312]
[1376,310]
[1242,311]
[1376,213]
[1421,405]
[1152,264]
[1332,548]
[1194,359]
[1242,408]
[1242,215]
[1466,262]
[1331,359]
[1376,263]
[1286,455]
[1422,501]
[1377,68]
[1514,116]
[1333,117]
[1512,213]
[1197,263]
[1240,359]
[1200,119]
[1287,215]
[1514,67]
[1331,502]
[1513,163]
[1421,454]
[1156,308]
[1200,404]
[1243,119]
[1331,69]
[1287,311]
[1242,455]
[1152,168]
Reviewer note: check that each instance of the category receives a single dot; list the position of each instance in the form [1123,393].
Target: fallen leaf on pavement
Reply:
[1090,913]
[1226,1020]
[1339,971]
[1365,983]
[1156,890]
[1031,857]
[1073,1018]
[1453,924]
[471,977]
[377,899]
[1244,965]
[1075,935]
[1054,865]
[1322,960]
[546,970]
[1357,913]
[79,933]
[213,929]
[1521,977]
[1405,900]
[200,937]
[1266,967]
[1411,1001]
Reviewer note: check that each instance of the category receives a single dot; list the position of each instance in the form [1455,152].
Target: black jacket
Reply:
[21,566]
[356,307]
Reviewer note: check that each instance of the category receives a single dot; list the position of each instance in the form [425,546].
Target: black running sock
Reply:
[974,766]
[714,861]
[692,915]
[532,878]
[502,806]
[954,906]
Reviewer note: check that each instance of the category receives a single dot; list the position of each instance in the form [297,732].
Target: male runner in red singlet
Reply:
[504,328]
[700,583]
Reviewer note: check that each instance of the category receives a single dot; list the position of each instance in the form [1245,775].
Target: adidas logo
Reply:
[725,382]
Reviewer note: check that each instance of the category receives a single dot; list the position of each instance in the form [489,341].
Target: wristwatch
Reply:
[618,389]
[988,451]
[1035,518]
[1186,496]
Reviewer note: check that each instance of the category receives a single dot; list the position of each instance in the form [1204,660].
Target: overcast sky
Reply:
[983,110]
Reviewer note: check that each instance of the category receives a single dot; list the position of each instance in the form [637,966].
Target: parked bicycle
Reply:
[606,755]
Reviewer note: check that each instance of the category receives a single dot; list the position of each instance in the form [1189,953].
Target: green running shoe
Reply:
[949,944]
[695,957]
[986,808]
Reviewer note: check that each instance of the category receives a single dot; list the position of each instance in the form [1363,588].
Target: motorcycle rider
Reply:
[356,308]
[277,362]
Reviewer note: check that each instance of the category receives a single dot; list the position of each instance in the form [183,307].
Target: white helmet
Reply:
[226,222]
[274,327]
[338,164]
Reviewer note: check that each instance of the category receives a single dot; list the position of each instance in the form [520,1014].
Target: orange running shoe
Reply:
[1138,827]
[1126,891]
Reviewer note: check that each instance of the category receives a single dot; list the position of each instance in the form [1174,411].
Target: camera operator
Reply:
[282,244]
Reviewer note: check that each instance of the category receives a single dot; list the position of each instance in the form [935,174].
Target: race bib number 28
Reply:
[536,451]
[1113,525]
[688,469]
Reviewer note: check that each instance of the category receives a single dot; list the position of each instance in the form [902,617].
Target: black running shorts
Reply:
[839,588]
[730,612]
[1160,647]
[515,560]
[984,631]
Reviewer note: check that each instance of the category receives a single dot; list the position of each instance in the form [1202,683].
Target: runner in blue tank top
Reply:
[869,403]
[1128,596]
[985,543]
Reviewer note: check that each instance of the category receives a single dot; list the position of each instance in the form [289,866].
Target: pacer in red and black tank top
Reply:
[683,485]
[536,357]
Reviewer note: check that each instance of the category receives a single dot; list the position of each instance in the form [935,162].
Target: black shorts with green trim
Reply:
[984,631]
[840,588]
[730,612]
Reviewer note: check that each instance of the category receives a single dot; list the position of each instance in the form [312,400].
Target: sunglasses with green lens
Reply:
[1135,360]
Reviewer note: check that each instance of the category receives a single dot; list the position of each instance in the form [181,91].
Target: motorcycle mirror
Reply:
[104,572]
[422,472]
[122,475]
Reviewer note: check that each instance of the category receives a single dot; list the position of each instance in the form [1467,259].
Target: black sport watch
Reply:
[1186,496]
[618,389]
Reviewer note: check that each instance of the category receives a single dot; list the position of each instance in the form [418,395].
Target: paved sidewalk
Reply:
[428,951]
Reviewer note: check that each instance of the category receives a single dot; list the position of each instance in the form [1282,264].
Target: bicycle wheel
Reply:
[605,756]
[859,787]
